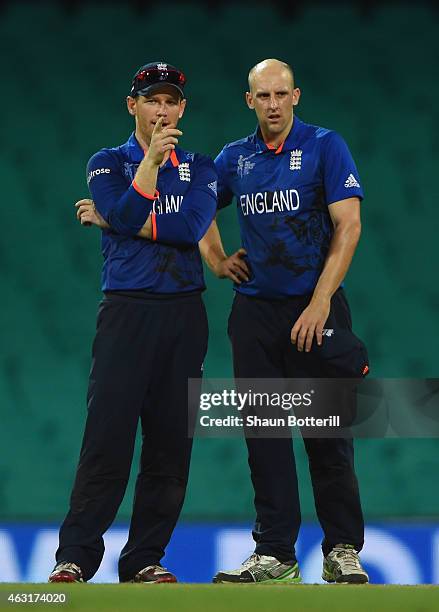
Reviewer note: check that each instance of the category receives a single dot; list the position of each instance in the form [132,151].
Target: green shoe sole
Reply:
[291,576]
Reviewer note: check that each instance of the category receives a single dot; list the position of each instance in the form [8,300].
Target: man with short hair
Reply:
[298,198]
[154,201]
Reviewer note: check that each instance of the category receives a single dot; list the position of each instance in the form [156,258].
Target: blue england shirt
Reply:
[282,198]
[181,212]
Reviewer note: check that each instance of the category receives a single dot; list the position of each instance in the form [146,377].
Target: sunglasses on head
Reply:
[152,76]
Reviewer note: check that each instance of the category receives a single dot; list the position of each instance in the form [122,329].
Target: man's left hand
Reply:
[310,324]
[87,214]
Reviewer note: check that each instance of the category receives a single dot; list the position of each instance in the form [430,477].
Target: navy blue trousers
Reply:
[144,351]
[259,331]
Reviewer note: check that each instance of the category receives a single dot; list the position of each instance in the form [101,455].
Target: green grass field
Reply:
[228,598]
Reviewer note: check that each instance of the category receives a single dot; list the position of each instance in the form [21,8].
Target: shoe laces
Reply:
[153,567]
[348,556]
[254,558]
[71,567]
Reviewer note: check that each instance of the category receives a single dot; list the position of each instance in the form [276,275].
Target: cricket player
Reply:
[154,202]
[298,200]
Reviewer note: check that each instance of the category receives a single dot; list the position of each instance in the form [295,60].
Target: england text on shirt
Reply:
[282,199]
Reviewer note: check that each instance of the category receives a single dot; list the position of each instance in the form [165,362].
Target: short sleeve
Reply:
[225,194]
[340,175]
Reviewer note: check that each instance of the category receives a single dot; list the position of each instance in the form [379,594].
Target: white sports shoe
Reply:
[262,568]
[342,564]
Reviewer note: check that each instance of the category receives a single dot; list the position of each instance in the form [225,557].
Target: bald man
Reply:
[298,201]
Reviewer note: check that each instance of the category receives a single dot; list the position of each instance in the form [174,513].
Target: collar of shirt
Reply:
[289,144]
[136,153]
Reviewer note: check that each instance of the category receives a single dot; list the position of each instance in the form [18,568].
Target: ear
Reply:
[182,108]
[131,105]
[249,99]
[296,96]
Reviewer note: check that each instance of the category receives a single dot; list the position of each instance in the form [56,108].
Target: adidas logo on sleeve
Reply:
[351,181]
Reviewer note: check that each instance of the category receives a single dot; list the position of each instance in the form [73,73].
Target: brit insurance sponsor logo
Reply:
[94,173]
[264,202]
